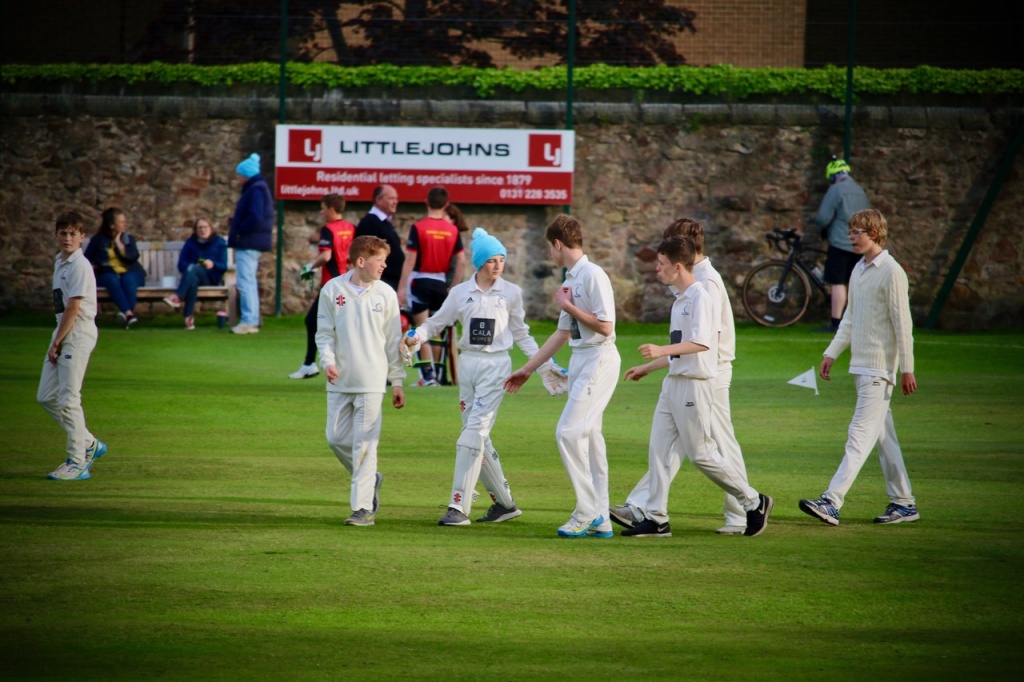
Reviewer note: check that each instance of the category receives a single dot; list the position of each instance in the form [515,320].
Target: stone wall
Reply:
[741,169]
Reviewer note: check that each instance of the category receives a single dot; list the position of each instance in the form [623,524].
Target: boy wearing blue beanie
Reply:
[490,310]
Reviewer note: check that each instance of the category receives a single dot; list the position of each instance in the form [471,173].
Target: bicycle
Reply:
[776,293]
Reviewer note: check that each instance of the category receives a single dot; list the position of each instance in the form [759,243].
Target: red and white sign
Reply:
[476,165]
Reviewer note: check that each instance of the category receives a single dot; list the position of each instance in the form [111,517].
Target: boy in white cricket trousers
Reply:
[587,323]
[72,342]
[878,330]
[682,418]
[358,332]
[721,414]
[490,311]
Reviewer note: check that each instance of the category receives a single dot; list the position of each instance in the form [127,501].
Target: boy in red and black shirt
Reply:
[335,237]
[432,244]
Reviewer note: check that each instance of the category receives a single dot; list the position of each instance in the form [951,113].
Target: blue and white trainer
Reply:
[896,513]
[822,509]
[574,528]
[94,452]
[69,471]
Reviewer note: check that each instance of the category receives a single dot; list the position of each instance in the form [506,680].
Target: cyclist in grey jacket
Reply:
[844,198]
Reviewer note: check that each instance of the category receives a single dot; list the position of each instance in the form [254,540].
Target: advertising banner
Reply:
[476,165]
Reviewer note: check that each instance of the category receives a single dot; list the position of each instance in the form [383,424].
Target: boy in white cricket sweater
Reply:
[682,424]
[878,329]
[358,332]
[491,313]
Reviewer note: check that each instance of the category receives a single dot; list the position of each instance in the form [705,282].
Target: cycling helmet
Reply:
[836,166]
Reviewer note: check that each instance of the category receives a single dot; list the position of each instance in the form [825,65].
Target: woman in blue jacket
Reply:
[202,263]
[115,259]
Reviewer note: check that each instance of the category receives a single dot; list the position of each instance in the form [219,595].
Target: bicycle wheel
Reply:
[776,294]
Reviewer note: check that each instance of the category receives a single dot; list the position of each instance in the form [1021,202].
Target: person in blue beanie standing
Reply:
[251,234]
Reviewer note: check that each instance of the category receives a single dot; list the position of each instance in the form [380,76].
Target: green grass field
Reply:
[209,542]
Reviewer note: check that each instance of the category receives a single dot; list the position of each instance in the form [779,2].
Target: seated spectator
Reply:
[202,263]
[115,259]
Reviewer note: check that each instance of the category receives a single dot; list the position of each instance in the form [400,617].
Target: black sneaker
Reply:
[648,529]
[757,519]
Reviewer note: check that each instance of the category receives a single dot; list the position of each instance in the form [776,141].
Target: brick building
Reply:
[747,33]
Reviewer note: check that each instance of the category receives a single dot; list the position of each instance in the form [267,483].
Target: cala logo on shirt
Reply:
[340,301]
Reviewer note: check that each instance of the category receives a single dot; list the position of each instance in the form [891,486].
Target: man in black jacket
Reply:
[377,223]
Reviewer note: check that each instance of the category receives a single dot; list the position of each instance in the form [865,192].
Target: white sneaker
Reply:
[305,372]
[574,528]
[243,328]
[69,471]
[731,530]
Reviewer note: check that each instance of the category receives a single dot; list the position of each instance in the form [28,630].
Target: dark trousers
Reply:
[122,288]
[311,332]
[188,290]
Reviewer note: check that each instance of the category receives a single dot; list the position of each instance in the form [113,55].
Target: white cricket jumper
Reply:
[358,331]
[878,329]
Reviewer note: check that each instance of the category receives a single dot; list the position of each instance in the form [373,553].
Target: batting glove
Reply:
[554,378]
[307,275]
[409,353]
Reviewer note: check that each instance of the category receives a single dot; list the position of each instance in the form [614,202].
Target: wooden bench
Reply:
[160,259]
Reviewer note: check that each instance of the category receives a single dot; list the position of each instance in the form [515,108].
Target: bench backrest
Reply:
[160,259]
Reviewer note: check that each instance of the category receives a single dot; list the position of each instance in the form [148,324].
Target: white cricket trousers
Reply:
[481,376]
[353,433]
[724,436]
[872,424]
[60,387]
[593,375]
[682,427]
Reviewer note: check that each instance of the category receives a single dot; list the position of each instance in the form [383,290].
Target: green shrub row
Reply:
[717,81]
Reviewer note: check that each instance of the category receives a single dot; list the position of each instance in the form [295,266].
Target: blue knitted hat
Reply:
[485,247]
[250,167]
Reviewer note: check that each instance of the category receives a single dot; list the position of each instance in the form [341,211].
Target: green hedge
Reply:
[716,81]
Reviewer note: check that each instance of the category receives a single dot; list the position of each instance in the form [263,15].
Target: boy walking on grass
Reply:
[72,342]
[878,330]
[682,418]
[490,311]
[721,413]
[587,324]
[358,332]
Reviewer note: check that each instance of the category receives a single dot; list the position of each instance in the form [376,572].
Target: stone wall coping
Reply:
[333,106]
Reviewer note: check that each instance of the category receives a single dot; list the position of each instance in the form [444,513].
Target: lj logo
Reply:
[546,150]
[305,146]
